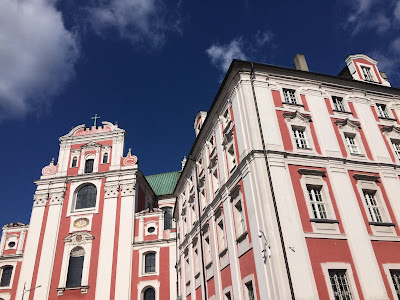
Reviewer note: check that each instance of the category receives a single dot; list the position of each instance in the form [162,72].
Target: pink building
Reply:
[99,229]
[291,189]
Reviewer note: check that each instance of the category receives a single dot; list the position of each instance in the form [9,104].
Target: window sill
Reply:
[357,154]
[241,237]
[388,119]
[223,252]
[388,224]
[342,111]
[84,289]
[293,104]
[326,221]
[305,149]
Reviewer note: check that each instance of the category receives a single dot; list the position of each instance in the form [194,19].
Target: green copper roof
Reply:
[164,183]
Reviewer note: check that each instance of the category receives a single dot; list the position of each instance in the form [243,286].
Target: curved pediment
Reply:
[348,123]
[84,130]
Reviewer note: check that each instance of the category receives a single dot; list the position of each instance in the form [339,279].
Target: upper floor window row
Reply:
[289,96]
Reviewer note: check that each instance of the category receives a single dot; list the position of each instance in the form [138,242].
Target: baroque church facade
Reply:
[290,191]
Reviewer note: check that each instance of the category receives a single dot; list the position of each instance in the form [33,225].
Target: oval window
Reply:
[151,229]
[11,244]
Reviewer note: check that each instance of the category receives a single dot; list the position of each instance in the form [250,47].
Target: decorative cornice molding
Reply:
[40,199]
[127,189]
[392,128]
[111,191]
[297,115]
[347,122]
[312,172]
[366,177]
[57,197]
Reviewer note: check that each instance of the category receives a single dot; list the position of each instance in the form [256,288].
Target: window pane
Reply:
[340,285]
[250,292]
[149,294]
[6,276]
[395,274]
[89,166]
[372,206]
[150,263]
[74,162]
[86,197]
[75,267]
[105,158]
[167,217]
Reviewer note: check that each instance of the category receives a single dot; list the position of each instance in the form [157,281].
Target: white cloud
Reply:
[263,37]
[37,55]
[139,21]
[222,55]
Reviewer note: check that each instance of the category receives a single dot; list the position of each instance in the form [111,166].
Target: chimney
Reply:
[300,62]
[384,76]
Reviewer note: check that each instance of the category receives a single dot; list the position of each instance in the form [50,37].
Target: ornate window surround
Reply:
[298,120]
[392,133]
[74,188]
[142,256]
[143,285]
[349,127]
[329,225]
[12,263]
[84,240]
[104,150]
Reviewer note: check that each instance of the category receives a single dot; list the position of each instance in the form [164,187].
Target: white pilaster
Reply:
[106,251]
[20,242]
[2,242]
[125,240]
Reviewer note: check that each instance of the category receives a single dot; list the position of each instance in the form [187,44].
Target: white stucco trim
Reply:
[5,296]
[349,273]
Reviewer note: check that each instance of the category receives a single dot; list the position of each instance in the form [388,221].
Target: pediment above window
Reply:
[391,131]
[297,118]
[348,125]
[91,146]
[79,238]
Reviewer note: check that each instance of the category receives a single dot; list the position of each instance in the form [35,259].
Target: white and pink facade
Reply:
[97,229]
[291,189]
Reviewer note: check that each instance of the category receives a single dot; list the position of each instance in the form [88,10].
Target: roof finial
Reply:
[52,161]
[129,152]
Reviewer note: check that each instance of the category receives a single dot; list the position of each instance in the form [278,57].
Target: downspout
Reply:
[176,260]
[201,233]
[252,77]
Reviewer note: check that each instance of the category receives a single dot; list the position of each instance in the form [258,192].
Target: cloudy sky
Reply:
[152,65]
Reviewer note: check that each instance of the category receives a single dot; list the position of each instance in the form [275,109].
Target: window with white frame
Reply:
[227,296]
[74,162]
[5,275]
[367,73]
[215,179]
[382,110]
[221,234]
[196,262]
[207,249]
[396,147]
[317,202]
[167,217]
[238,213]
[149,294]
[75,267]
[395,275]
[86,197]
[300,138]
[351,143]
[187,269]
[105,158]
[340,284]
[289,96]
[249,291]
[230,152]
[372,206]
[338,103]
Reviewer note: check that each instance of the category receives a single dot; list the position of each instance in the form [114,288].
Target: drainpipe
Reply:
[201,233]
[176,260]
[252,77]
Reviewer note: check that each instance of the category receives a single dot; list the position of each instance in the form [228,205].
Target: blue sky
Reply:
[152,65]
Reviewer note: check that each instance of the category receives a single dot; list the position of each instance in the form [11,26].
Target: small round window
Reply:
[11,244]
[151,229]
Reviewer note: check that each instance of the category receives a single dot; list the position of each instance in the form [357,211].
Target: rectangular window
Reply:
[340,285]
[74,162]
[372,206]
[196,261]
[249,290]
[150,263]
[338,103]
[231,157]
[207,249]
[367,73]
[290,96]
[396,146]
[395,274]
[317,202]
[382,110]
[215,180]
[300,137]
[239,218]
[221,236]
[5,273]
[351,144]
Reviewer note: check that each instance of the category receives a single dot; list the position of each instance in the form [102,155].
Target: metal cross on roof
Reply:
[95,119]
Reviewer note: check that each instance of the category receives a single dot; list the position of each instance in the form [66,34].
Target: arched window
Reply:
[75,267]
[150,262]
[167,217]
[6,273]
[149,294]
[86,197]
[89,165]
[105,158]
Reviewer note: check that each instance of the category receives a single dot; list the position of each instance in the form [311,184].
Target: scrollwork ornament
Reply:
[127,189]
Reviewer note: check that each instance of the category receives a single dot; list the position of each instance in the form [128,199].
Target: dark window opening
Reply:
[75,267]
[167,217]
[74,162]
[86,197]
[89,166]
[150,263]
[105,158]
[6,273]
[149,294]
